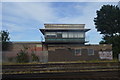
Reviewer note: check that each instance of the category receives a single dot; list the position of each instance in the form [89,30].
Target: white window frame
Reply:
[90,53]
[50,34]
[78,53]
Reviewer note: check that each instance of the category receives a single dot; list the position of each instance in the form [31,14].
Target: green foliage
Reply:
[22,57]
[108,23]
[115,40]
[5,40]
[10,59]
[108,20]
[5,36]
[34,57]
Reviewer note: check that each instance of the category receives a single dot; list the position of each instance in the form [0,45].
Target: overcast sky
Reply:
[24,19]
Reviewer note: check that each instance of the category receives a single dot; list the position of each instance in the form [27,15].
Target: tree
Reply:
[108,23]
[5,36]
[5,39]
[108,20]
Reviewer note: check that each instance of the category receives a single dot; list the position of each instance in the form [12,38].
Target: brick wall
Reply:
[96,47]
[55,53]
[68,54]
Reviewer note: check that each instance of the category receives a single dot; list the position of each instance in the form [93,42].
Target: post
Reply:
[119,57]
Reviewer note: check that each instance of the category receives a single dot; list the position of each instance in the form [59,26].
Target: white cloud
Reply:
[21,17]
[16,28]
[59,0]
[38,11]
[88,14]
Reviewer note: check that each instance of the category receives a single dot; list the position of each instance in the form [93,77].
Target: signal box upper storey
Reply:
[64,33]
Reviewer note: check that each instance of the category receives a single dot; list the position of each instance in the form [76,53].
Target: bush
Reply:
[34,57]
[10,59]
[22,57]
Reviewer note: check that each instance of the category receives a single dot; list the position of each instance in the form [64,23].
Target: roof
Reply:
[26,42]
[55,30]
[64,26]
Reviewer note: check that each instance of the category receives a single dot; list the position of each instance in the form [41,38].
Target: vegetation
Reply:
[10,59]
[108,23]
[34,57]
[5,39]
[94,61]
[5,36]
[22,57]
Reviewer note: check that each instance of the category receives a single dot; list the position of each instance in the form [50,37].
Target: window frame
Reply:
[76,53]
[91,54]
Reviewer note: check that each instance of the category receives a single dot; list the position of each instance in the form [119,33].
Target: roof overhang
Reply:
[55,30]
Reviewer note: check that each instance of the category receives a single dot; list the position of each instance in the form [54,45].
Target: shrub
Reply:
[22,57]
[10,59]
[34,57]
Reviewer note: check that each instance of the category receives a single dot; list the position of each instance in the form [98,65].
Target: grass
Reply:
[92,61]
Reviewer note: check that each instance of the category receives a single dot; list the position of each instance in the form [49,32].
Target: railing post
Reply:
[119,57]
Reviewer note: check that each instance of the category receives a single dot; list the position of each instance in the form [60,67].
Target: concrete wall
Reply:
[16,47]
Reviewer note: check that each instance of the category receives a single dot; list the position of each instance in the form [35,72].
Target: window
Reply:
[90,52]
[59,34]
[50,34]
[80,35]
[70,35]
[75,35]
[77,52]
[64,35]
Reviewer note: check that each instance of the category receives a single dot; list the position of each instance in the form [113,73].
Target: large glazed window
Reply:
[72,35]
[64,34]
[80,35]
[59,34]
[50,34]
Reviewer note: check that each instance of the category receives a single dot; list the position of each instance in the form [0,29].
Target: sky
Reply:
[24,19]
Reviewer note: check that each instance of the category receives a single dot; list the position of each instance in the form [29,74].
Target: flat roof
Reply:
[54,30]
[26,42]
[64,25]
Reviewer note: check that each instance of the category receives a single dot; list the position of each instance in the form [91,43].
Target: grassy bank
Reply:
[93,61]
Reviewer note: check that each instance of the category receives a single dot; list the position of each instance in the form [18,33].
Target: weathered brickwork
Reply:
[57,53]
[68,54]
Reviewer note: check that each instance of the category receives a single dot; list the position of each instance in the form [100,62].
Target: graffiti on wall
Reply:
[106,55]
